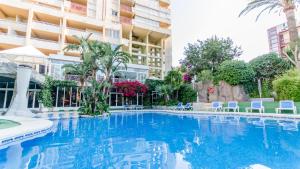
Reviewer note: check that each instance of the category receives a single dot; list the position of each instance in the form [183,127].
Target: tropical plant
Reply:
[209,54]
[46,92]
[235,72]
[97,51]
[82,70]
[94,100]
[113,59]
[175,80]
[165,90]
[82,46]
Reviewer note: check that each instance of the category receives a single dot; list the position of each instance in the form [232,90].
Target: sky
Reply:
[201,19]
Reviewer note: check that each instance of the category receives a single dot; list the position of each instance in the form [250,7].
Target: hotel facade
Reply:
[143,27]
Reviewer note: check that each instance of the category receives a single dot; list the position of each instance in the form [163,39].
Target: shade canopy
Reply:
[24,51]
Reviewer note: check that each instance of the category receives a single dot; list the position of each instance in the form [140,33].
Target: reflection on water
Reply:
[160,141]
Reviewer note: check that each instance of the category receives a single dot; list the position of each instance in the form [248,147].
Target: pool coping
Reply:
[207,113]
[28,129]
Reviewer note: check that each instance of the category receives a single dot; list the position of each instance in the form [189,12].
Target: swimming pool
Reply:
[157,140]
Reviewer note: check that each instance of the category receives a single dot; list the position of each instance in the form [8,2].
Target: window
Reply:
[114,13]
[115,34]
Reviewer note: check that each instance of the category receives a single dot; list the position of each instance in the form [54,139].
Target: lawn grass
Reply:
[269,107]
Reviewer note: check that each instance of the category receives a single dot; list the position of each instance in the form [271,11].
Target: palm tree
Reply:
[174,78]
[111,62]
[287,6]
[164,90]
[83,46]
[113,59]
[97,51]
[83,70]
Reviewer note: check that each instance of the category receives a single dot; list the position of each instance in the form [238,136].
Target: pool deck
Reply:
[28,129]
[207,113]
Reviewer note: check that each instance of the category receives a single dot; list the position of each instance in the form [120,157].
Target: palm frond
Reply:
[267,4]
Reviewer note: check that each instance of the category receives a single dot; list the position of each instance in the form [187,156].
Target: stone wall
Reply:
[222,92]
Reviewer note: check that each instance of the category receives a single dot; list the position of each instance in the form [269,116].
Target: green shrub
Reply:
[264,65]
[187,93]
[45,95]
[235,72]
[287,86]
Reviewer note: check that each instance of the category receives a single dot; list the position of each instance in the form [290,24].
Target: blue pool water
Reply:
[160,141]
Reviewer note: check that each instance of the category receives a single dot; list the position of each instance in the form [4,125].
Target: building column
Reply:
[162,51]
[98,11]
[63,27]
[130,42]
[28,28]
[147,48]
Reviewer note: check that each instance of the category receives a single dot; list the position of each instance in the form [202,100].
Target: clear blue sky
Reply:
[201,19]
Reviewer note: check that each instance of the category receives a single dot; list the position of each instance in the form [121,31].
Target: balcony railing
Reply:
[125,20]
[126,8]
[78,8]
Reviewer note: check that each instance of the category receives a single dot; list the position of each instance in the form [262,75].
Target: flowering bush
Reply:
[130,88]
[187,78]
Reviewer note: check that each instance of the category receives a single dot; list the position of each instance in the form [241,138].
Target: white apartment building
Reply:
[142,26]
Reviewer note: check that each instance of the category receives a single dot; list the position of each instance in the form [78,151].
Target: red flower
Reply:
[130,88]
[210,90]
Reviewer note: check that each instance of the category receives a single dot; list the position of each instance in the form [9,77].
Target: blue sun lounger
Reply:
[232,105]
[286,105]
[256,105]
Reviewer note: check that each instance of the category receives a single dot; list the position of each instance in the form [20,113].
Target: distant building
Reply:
[278,37]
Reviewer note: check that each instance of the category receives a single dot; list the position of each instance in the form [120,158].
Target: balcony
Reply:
[126,11]
[12,39]
[52,3]
[128,2]
[151,27]
[18,26]
[46,26]
[164,3]
[84,33]
[125,20]
[45,44]
[160,16]
[78,8]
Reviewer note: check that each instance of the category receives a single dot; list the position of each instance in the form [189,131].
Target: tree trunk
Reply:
[291,22]
[289,10]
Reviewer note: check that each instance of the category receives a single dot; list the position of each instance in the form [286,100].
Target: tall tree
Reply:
[209,54]
[113,59]
[111,62]
[96,52]
[83,70]
[174,78]
[82,46]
